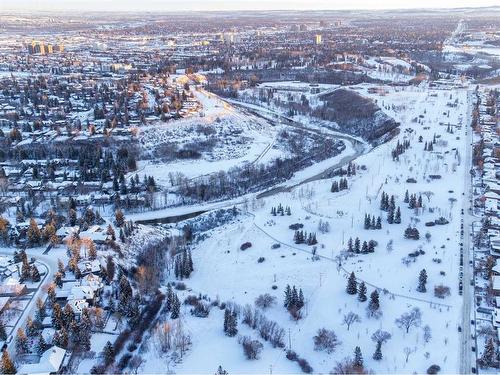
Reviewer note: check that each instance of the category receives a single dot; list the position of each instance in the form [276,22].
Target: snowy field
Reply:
[241,138]
[224,272]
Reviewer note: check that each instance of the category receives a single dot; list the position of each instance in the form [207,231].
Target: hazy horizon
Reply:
[226,5]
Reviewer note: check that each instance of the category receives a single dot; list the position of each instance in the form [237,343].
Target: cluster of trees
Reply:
[268,330]
[339,185]
[281,210]
[28,271]
[413,201]
[294,301]
[389,205]
[183,265]
[400,149]
[251,348]
[135,185]
[173,304]
[490,356]
[240,180]
[230,322]
[429,146]
[352,288]
[412,233]
[128,303]
[323,226]
[372,223]
[301,236]
[356,247]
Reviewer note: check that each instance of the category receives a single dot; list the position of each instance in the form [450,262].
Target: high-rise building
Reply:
[318,39]
[41,48]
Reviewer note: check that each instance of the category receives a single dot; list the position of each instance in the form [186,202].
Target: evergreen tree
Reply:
[300,302]
[119,218]
[176,307]
[422,281]
[8,366]
[352,284]
[397,218]
[60,267]
[407,197]
[379,223]
[41,346]
[21,342]
[85,330]
[374,304]
[390,216]
[227,316]
[31,328]
[357,245]
[170,298]
[358,357]
[288,297]
[3,333]
[378,352]
[230,323]
[57,316]
[34,234]
[61,338]
[108,353]
[488,357]
[364,248]
[35,274]
[349,245]
[362,292]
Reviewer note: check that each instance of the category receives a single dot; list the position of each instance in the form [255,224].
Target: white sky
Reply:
[176,5]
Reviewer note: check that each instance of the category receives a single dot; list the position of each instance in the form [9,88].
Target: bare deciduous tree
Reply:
[350,318]
[410,319]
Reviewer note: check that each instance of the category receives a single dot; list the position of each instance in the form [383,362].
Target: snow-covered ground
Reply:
[225,272]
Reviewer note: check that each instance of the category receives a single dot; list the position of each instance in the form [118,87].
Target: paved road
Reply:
[50,265]
[468,297]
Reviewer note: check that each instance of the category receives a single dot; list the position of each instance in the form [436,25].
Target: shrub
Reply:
[305,366]
[291,355]
[200,310]
[180,286]
[264,301]
[191,300]
[245,246]
[441,291]
[433,369]
[251,348]
[325,340]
